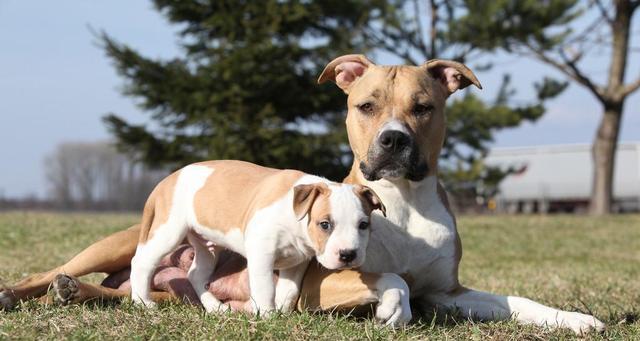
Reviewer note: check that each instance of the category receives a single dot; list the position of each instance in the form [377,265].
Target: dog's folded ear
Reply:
[304,196]
[370,198]
[453,75]
[345,70]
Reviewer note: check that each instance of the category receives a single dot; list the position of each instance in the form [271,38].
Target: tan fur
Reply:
[344,290]
[305,195]
[236,190]
[321,210]
[156,209]
[229,198]
[394,91]
[369,199]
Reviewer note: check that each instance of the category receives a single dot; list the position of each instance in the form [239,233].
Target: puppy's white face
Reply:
[339,223]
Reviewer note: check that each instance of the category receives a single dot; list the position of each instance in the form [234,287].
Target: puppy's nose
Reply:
[347,256]
[393,140]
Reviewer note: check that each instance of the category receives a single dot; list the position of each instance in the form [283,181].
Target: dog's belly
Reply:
[232,239]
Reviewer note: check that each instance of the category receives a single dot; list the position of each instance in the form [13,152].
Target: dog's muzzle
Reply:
[394,155]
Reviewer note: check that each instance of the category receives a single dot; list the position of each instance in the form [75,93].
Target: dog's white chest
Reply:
[417,239]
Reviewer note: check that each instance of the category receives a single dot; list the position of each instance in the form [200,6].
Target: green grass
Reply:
[576,263]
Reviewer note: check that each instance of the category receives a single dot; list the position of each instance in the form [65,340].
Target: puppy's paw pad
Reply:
[66,289]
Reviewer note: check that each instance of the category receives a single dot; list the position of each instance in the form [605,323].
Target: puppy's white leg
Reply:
[260,268]
[486,306]
[288,286]
[203,265]
[393,300]
[148,255]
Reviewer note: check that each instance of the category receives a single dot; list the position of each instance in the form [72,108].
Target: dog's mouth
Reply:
[408,166]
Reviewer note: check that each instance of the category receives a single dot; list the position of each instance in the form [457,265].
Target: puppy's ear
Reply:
[452,75]
[371,198]
[304,196]
[345,70]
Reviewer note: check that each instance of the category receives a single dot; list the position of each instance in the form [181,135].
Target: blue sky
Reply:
[56,83]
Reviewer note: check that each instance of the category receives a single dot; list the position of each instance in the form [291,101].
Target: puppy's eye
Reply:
[366,108]
[422,109]
[363,225]
[325,225]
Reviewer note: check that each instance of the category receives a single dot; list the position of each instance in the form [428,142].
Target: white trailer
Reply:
[559,178]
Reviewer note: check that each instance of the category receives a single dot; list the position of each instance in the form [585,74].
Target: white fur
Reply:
[347,212]
[168,235]
[393,308]
[488,306]
[419,238]
[393,124]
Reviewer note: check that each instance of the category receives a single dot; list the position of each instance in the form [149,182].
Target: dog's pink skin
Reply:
[229,283]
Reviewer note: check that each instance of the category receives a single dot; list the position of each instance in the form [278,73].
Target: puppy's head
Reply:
[395,119]
[338,221]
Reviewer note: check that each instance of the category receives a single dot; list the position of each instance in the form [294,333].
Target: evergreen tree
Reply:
[246,85]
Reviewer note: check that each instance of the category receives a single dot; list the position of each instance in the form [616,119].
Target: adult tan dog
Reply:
[396,128]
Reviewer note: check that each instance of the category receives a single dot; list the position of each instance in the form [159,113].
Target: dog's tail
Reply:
[148,214]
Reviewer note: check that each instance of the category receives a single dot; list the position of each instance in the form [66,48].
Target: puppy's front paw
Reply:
[212,305]
[263,311]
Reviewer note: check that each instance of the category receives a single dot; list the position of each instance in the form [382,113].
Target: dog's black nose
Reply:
[347,256]
[393,140]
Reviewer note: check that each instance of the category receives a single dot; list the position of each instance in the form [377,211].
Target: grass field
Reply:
[575,263]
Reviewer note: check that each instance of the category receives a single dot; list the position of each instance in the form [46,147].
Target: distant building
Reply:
[558,178]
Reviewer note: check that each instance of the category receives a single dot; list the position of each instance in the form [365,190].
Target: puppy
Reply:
[277,219]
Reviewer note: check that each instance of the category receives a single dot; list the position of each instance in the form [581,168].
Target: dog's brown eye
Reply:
[363,225]
[366,108]
[422,110]
[325,225]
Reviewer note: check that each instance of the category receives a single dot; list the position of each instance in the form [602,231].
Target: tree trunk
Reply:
[606,143]
[604,153]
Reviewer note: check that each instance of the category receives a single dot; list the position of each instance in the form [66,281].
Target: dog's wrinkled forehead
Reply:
[396,87]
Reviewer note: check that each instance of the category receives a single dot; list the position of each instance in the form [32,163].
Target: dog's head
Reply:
[338,223]
[395,120]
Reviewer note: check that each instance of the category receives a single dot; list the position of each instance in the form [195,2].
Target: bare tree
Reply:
[566,51]
[96,176]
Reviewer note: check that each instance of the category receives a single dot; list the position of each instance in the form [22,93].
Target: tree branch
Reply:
[570,69]
[394,49]
[419,27]
[603,11]
[631,87]
[434,27]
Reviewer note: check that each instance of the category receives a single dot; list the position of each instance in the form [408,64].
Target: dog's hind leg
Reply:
[109,255]
[490,307]
[149,254]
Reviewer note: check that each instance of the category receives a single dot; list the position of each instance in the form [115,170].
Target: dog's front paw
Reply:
[7,299]
[581,324]
[393,305]
[66,289]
